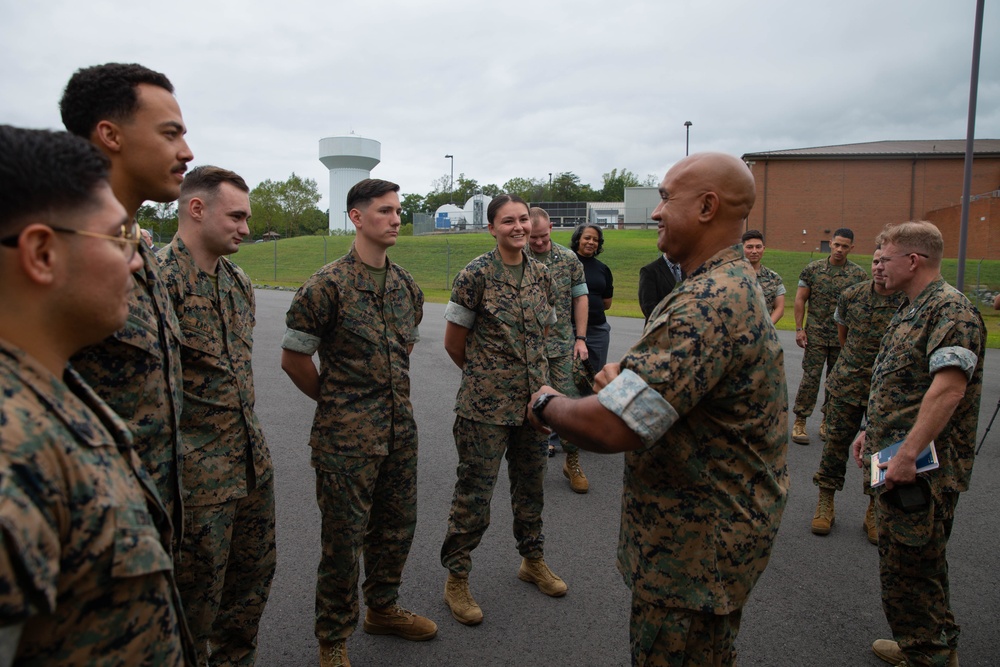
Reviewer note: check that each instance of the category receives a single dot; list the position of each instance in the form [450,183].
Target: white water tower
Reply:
[350,159]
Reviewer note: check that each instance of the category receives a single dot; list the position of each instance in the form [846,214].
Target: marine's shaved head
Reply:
[704,200]
[726,176]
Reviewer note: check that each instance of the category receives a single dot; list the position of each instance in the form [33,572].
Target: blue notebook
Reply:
[928,460]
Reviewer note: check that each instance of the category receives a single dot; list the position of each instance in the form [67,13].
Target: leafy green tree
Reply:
[528,189]
[265,206]
[411,203]
[287,207]
[160,218]
[567,187]
[314,221]
[615,183]
[299,196]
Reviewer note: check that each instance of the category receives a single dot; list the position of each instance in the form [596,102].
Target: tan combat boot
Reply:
[535,571]
[400,622]
[333,654]
[799,435]
[823,521]
[571,470]
[870,528]
[889,651]
[459,599]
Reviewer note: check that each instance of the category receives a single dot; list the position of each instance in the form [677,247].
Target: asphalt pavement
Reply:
[817,604]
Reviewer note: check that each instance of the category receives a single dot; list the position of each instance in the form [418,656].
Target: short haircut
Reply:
[751,234]
[500,201]
[368,189]
[105,92]
[844,232]
[574,241]
[207,179]
[45,172]
[538,213]
[914,236]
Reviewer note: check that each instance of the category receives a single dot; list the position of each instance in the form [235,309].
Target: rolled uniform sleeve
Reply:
[954,357]
[300,342]
[643,410]
[460,315]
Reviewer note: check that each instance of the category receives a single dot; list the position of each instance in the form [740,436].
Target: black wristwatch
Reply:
[539,406]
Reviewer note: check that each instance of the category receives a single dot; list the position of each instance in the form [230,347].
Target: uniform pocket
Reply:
[202,341]
[138,550]
[911,529]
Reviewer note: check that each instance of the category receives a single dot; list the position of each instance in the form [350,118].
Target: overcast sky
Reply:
[517,88]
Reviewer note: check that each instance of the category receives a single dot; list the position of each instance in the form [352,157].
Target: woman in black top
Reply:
[588,242]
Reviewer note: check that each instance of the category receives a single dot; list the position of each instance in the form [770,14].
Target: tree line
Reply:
[289,207]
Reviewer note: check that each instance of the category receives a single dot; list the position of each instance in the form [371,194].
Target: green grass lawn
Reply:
[434,260]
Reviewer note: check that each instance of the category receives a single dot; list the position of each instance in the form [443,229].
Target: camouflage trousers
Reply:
[561,379]
[369,507]
[224,572]
[913,568]
[842,423]
[481,447]
[813,360]
[670,637]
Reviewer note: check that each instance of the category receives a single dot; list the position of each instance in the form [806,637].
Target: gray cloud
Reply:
[517,88]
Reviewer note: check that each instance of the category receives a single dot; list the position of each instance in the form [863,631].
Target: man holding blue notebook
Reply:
[926,386]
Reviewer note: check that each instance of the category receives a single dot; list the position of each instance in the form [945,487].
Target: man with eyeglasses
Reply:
[85,570]
[820,284]
[863,314]
[130,114]
[927,383]
[227,556]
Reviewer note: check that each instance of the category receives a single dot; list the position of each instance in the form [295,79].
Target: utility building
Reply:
[804,195]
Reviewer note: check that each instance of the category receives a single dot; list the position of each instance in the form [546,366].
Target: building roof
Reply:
[930,148]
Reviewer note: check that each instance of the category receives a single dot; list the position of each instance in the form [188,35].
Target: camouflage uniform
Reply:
[227,557]
[939,329]
[137,372]
[772,286]
[568,282]
[505,362]
[82,530]
[825,282]
[704,389]
[364,437]
[866,314]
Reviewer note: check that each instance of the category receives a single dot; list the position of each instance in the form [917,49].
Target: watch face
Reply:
[541,401]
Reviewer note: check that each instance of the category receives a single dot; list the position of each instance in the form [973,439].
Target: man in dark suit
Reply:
[656,280]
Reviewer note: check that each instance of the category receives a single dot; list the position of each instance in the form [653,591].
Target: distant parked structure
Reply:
[804,194]
[640,202]
[350,159]
[471,217]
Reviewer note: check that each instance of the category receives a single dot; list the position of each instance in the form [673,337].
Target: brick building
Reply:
[804,194]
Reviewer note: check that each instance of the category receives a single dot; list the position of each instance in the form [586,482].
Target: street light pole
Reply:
[550,186]
[687,136]
[451,182]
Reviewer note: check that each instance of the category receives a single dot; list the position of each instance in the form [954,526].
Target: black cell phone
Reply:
[914,497]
